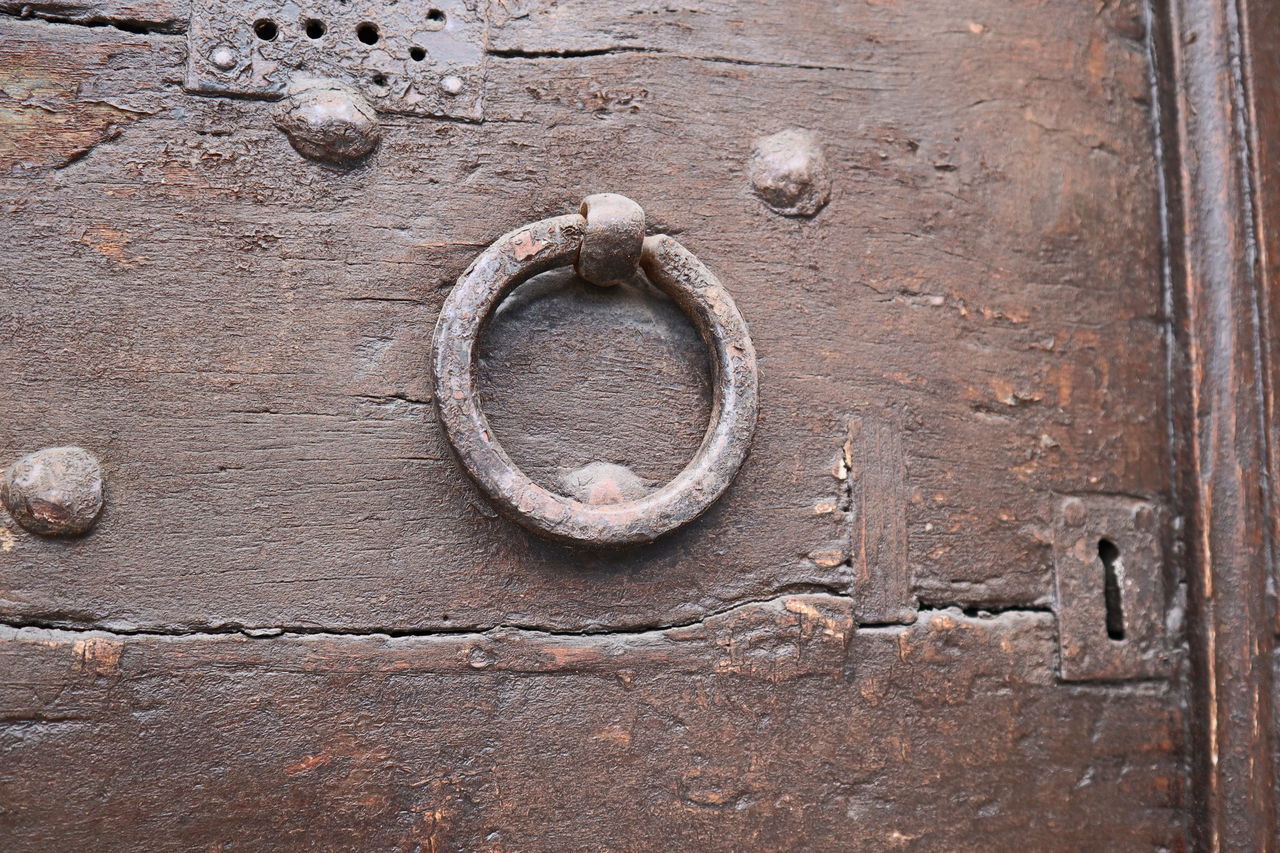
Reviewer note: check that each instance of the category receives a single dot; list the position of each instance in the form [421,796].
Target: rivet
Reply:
[451,85]
[56,491]
[1073,512]
[223,58]
[602,483]
[789,173]
[330,122]
[1143,517]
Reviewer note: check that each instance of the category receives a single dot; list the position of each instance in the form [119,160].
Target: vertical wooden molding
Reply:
[1223,453]
[1260,22]
[882,581]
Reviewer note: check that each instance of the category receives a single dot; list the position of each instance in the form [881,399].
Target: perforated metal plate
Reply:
[426,58]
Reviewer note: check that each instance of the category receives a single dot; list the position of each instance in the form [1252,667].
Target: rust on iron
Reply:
[675,271]
[1110,594]
[56,491]
[525,246]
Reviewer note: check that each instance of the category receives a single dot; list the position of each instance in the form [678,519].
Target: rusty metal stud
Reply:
[56,491]
[328,121]
[616,518]
[789,173]
[604,483]
[611,246]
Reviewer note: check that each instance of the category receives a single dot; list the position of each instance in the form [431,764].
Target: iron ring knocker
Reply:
[606,243]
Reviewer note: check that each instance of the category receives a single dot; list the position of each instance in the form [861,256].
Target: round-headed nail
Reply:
[789,173]
[56,491]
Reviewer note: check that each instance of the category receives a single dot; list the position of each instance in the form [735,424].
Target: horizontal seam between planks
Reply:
[274,631]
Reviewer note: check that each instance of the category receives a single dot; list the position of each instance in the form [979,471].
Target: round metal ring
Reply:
[555,242]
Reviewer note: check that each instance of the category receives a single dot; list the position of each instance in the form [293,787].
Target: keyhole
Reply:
[1112,570]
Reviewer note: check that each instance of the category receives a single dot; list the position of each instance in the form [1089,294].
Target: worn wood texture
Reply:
[1263,66]
[241,334]
[161,16]
[776,726]
[1261,25]
[972,328]
[1223,448]
[1262,63]
[874,465]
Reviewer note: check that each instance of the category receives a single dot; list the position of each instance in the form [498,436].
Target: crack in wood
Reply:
[271,631]
[285,631]
[615,50]
[94,20]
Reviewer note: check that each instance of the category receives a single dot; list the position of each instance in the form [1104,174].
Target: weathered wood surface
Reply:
[874,465]
[165,16]
[241,334]
[1261,22]
[1263,65]
[773,727]
[1223,444]
[970,329]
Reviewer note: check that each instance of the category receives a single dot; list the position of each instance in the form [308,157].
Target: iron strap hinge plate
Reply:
[421,58]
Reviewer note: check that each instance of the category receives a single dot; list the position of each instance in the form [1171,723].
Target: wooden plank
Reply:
[241,334]
[1261,25]
[55,109]
[1262,22]
[160,16]
[1230,628]
[773,726]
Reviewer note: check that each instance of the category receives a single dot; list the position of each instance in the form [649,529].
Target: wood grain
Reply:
[874,464]
[1230,629]
[241,334]
[774,726]
[161,16]
[1260,25]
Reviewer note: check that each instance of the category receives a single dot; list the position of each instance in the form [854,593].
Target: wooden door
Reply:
[947,602]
